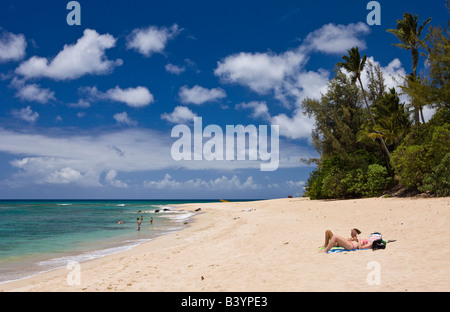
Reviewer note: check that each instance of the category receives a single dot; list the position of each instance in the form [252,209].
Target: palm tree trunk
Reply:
[416,116]
[373,121]
[421,114]
[415,61]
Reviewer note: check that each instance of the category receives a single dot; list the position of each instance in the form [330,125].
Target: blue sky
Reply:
[86,111]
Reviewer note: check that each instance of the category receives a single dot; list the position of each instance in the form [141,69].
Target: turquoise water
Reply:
[37,236]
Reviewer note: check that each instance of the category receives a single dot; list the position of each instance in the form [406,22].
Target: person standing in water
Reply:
[138,224]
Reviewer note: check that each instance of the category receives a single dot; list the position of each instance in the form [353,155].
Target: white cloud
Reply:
[199,95]
[51,170]
[12,47]
[304,84]
[111,179]
[133,97]
[338,39]
[296,127]
[34,93]
[260,109]
[64,176]
[180,114]
[86,56]
[152,39]
[174,69]
[261,72]
[123,118]
[167,182]
[222,183]
[26,114]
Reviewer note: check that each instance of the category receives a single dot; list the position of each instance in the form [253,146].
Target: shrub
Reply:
[438,182]
[332,186]
[367,183]
[422,151]
[313,187]
[377,180]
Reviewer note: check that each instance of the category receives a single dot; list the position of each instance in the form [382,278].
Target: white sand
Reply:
[273,245]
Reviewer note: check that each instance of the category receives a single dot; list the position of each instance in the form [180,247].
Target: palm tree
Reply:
[355,65]
[393,120]
[409,35]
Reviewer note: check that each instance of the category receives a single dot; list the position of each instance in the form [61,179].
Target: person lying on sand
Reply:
[351,244]
[328,235]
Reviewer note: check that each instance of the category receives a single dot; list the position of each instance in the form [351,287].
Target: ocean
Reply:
[39,236]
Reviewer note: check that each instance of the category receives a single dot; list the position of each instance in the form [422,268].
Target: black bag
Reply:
[378,244]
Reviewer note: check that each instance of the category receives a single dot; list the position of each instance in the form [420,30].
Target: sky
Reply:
[92,111]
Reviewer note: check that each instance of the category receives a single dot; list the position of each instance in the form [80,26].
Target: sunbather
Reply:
[353,237]
[351,244]
[342,242]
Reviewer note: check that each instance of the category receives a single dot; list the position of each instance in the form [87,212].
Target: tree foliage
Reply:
[366,138]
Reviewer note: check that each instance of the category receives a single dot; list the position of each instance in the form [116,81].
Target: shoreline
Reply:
[272,245]
[27,266]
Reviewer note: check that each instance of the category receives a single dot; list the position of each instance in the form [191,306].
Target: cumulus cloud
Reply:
[152,39]
[133,97]
[338,39]
[32,92]
[302,85]
[123,118]
[110,178]
[12,47]
[174,69]
[64,176]
[260,109]
[261,72]
[222,183]
[51,170]
[180,114]
[199,95]
[297,126]
[26,114]
[86,56]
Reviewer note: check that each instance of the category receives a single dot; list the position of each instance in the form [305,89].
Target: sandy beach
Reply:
[272,245]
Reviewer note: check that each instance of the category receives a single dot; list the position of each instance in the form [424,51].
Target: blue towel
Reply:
[340,249]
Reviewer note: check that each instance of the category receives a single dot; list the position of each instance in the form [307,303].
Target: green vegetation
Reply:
[368,141]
